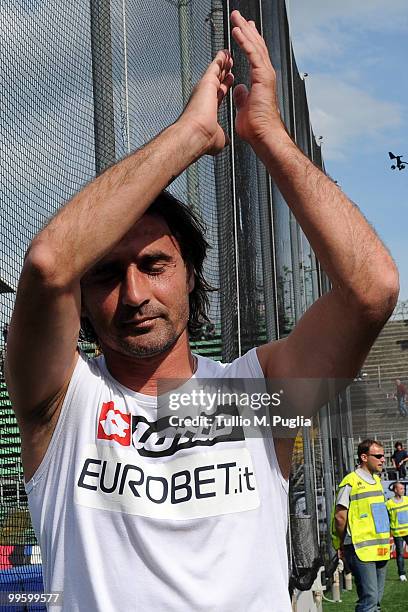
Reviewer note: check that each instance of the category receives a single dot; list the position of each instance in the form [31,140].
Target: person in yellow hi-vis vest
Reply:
[398,511]
[361,526]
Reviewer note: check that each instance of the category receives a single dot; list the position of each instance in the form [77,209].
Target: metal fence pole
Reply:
[104,122]
[225,212]
[185,34]
[247,207]
[267,235]
[327,473]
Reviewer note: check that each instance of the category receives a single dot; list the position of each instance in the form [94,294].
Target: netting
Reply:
[83,84]
[47,153]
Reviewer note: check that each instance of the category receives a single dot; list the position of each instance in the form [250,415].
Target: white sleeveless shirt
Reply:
[125,522]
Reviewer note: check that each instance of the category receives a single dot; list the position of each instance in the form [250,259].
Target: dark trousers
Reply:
[369,577]
[402,471]
[399,549]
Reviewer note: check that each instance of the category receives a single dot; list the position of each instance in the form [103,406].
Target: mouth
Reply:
[139,323]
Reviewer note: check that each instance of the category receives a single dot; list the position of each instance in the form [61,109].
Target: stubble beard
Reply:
[149,344]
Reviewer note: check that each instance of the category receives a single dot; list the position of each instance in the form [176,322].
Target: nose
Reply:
[135,289]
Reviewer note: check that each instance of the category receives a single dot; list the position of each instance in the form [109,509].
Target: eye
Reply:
[154,268]
[154,264]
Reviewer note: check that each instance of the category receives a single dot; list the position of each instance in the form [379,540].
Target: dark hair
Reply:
[398,444]
[189,231]
[364,447]
[395,484]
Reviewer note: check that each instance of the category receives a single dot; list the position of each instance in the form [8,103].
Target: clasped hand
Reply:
[257,111]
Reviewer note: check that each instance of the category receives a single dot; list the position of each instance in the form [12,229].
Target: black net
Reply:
[82,85]
[47,153]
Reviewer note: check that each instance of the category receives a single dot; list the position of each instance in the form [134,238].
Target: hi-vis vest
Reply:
[398,517]
[367,518]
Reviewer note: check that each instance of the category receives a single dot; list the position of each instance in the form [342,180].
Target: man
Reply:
[361,528]
[399,459]
[398,510]
[123,524]
[401,396]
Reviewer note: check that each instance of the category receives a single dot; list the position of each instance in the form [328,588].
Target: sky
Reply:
[356,56]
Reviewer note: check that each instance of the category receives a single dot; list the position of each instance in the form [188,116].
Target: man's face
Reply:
[374,464]
[137,296]
[399,489]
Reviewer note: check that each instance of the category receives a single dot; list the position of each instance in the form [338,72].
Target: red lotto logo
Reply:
[114,425]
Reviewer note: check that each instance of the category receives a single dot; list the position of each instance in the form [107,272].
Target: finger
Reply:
[236,17]
[247,27]
[227,68]
[225,87]
[257,54]
[219,63]
[227,83]
[249,30]
[251,35]
[224,74]
[244,43]
[229,64]
[240,95]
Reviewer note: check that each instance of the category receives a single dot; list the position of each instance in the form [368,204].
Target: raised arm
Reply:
[43,334]
[343,324]
[333,337]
